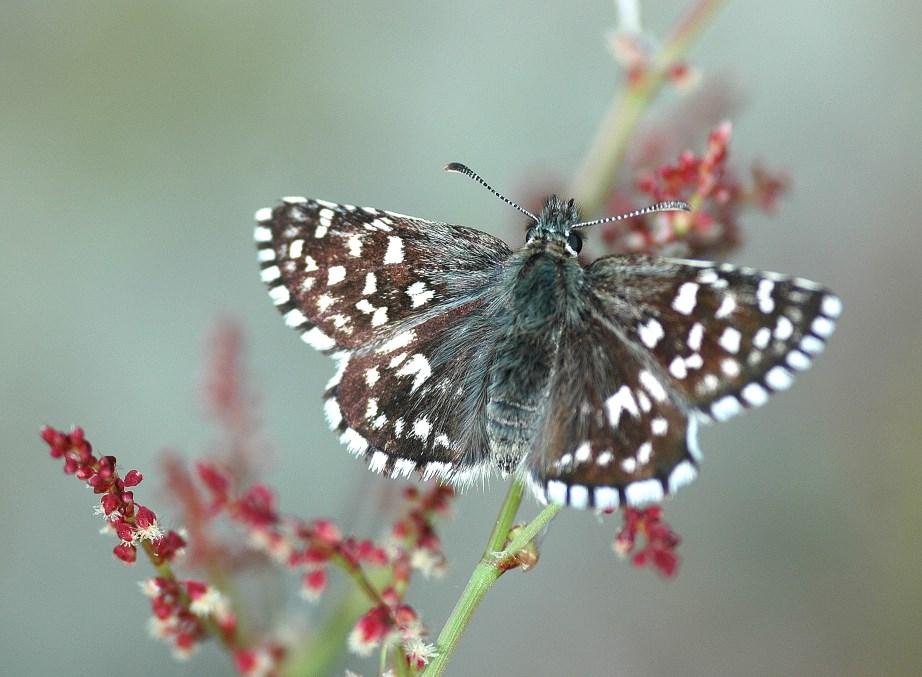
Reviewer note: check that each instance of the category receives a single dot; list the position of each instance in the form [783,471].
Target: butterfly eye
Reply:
[530,234]
[574,242]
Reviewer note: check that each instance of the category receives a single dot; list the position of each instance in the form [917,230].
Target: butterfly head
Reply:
[559,220]
[555,222]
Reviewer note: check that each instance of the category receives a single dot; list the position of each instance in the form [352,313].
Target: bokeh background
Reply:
[136,140]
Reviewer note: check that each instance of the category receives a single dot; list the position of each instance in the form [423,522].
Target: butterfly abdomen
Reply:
[543,288]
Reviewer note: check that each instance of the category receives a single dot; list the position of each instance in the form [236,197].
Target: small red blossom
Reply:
[659,549]
[313,583]
[370,630]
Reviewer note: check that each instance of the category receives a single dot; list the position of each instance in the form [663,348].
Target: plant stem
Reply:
[317,657]
[599,171]
[497,558]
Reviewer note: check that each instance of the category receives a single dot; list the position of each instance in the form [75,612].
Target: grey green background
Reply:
[136,141]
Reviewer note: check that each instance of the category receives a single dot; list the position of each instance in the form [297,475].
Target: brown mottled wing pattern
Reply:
[613,435]
[347,277]
[397,301]
[723,337]
[668,343]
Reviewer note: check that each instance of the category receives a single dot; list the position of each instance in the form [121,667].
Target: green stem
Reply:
[319,656]
[599,171]
[497,558]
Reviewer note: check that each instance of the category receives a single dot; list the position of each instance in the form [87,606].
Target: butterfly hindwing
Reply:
[612,433]
[346,277]
[725,336]
[415,402]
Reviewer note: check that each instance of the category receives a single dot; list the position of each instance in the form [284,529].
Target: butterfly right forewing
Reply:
[724,337]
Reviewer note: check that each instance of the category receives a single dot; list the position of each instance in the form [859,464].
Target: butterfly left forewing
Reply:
[346,276]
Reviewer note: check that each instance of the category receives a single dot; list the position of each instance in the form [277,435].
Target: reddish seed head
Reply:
[132,478]
[126,553]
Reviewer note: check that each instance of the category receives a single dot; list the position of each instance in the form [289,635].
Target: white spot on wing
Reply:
[270,274]
[583,452]
[606,498]
[324,301]
[822,327]
[295,318]
[557,492]
[779,378]
[691,439]
[727,306]
[682,474]
[263,215]
[755,394]
[394,253]
[652,385]
[812,345]
[784,328]
[403,466]
[397,342]
[378,461]
[798,360]
[579,496]
[335,275]
[422,428]
[295,249]
[354,244]
[371,284]
[333,415]
[317,339]
[418,367]
[686,300]
[677,368]
[762,337]
[725,408]
[418,294]
[264,255]
[371,376]
[651,333]
[730,340]
[659,426]
[279,295]
[764,295]
[644,492]
[831,306]
[621,401]
[695,334]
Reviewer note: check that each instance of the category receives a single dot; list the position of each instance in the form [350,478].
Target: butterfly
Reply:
[458,357]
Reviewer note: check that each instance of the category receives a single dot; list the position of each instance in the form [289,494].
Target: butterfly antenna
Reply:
[467,171]
[667,206]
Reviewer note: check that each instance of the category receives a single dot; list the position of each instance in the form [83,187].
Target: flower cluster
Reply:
[181,609]
[660,541]
[310,547]
[715,193]
[134,524]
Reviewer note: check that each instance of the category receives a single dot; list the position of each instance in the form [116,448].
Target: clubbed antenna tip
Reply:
[458,168]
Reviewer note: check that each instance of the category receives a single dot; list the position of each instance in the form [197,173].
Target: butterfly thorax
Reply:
[542,297]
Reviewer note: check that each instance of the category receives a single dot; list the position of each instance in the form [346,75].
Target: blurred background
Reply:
[137,140]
